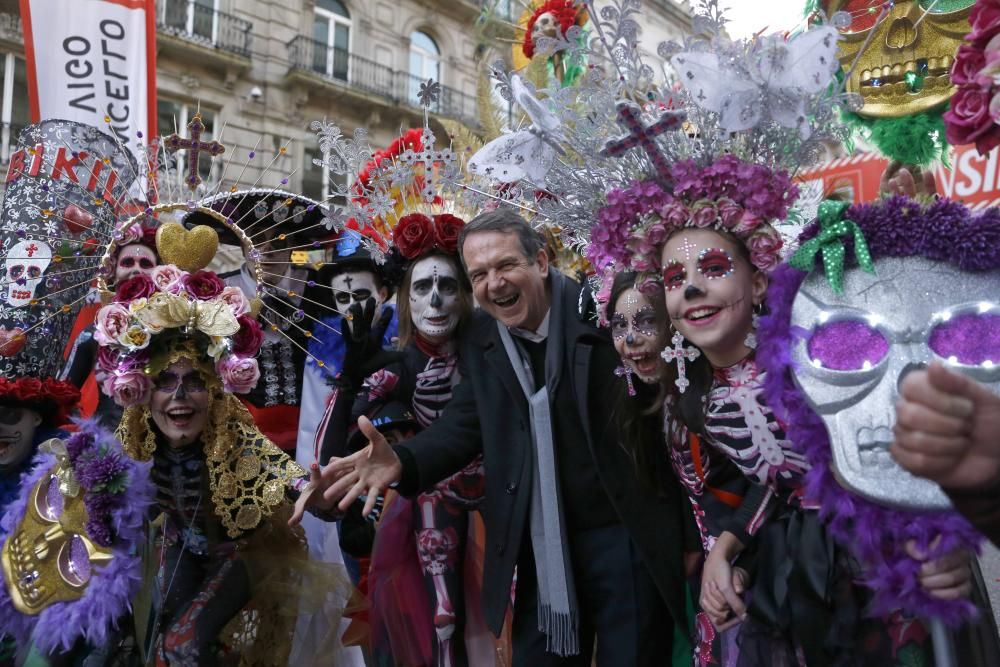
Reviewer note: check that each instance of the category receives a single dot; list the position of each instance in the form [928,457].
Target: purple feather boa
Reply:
[876,535]
[107,597]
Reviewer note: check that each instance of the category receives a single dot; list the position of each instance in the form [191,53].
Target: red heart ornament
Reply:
[76,219]
[11,341]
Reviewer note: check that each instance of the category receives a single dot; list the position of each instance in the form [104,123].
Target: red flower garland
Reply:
[33,390]
[417,234]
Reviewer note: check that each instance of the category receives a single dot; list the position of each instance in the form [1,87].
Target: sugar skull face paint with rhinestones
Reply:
[180,403]
[710,290]
[637,327]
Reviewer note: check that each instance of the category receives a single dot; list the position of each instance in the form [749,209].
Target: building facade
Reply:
[260,71]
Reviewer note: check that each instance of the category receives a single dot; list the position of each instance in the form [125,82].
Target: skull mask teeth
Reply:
[862,343]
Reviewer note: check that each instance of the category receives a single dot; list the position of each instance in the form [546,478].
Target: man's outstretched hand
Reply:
[946,429]
[368,472]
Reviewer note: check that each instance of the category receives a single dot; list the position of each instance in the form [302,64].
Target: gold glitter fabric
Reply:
[247,473]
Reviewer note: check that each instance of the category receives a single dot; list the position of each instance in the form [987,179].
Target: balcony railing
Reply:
[204,25]
[349,69]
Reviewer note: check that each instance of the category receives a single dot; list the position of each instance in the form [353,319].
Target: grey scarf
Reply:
[558,615]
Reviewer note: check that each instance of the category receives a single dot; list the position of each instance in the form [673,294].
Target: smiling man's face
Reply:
[17,432]
[508,285]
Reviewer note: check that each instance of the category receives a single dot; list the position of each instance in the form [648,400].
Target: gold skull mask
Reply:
[49,558]
[906,66]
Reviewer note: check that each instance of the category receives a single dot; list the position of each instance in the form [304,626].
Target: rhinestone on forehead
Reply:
[686,247]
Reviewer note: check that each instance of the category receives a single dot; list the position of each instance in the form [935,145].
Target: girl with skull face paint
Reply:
[714,273]
[426,537]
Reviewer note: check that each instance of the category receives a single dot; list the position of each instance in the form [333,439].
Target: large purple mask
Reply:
[855,348]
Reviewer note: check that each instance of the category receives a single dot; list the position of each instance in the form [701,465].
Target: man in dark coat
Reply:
[597,552]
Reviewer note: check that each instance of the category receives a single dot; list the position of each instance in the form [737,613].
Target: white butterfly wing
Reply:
[735,99]
[508,158]
[808,62]
[540,116]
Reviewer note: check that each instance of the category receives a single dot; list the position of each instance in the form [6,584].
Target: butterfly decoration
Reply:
[774,80]
[524,154]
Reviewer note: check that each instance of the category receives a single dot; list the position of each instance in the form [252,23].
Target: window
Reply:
[14,112]
[194,18]
[425,63]
[316,181]
[332,39]
[173,117]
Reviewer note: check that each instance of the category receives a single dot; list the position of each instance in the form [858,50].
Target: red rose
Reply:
[446,229]
[968,120]
[62,393]
[249,338]
[203,285]
[28,389]
[968,61]
[139,286]
[414,235]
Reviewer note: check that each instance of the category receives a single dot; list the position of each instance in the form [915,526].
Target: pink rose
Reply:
[203,285]
[765,249]
[236,300]
[748,224]
[131,234]
[168,278]
[239,375]
[968,62]
[139,286]
[249,338]
[706,216]
[674,214]
[968,120]
[129,388]
[642,263]
[730,213]
[111,322]
[985,22]
[656,234]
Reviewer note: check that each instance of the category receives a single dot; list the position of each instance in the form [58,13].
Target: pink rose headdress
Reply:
[173,304]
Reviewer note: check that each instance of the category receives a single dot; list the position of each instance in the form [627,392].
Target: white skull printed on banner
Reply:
[434,305]
[24,266]
[860,345]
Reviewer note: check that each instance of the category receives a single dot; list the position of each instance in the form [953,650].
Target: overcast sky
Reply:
[747,17]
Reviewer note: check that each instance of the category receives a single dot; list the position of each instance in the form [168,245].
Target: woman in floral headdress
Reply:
[709,241]
[417,571]
[175,347]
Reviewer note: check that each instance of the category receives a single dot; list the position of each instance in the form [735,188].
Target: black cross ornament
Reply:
[639,135]
[194,146]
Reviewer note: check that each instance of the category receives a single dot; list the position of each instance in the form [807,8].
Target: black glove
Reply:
[363,338]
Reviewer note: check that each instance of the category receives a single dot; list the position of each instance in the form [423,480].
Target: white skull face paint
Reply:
[353,287]
[434,301]
[25,265]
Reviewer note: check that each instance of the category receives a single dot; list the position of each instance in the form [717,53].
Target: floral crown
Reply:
[417,234]
[728,195]
[170,301]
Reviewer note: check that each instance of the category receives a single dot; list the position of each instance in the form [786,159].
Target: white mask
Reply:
[353,287]
[434,305]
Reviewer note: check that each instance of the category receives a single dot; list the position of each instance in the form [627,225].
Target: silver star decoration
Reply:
[429,93]
[334,220]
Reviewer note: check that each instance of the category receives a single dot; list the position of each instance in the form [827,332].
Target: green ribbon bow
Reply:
[834,228]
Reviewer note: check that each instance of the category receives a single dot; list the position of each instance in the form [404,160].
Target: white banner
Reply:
[93,61]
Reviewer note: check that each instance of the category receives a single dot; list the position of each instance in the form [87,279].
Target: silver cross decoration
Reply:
[680,354]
